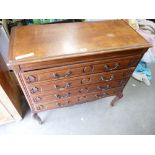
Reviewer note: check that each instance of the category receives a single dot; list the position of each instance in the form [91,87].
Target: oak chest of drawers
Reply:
[64,64]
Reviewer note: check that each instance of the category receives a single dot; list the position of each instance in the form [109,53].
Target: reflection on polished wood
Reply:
[61,65]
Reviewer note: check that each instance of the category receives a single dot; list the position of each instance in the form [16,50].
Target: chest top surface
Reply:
[37,43]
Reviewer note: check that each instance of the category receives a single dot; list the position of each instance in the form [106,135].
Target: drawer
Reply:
[63,85]
[64,61]
[77,99]
[42,98]
[79,69]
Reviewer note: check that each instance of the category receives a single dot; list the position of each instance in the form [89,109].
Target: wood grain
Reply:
[60,65]
[73,70]
[61,95]
[50,42]
[76,100]
[66,84]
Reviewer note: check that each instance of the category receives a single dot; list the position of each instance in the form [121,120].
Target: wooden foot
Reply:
[117,97]
[36,117]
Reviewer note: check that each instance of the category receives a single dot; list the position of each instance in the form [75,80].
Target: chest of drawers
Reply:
[64,64]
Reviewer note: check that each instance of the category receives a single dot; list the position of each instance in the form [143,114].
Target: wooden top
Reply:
[36,43]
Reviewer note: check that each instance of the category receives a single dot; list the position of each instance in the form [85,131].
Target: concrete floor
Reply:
[133,114]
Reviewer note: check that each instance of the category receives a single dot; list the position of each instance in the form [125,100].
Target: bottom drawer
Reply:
[77,99]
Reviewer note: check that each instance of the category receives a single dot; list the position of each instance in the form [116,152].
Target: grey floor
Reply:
[134,114]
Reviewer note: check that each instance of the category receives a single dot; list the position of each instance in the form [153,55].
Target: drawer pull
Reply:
[83,90]
[67,85]
[67,74]
[87,80]
[60,96]
[34,90]
[61,105]
[107,67]
[31,79]
[81,98]
[88,69]
[103,87]
[100,95]
[37,99]
[40,107]
[110,79]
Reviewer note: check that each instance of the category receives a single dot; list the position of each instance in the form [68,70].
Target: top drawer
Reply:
[80,69]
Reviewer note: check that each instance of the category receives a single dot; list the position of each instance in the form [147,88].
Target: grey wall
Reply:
[4,44]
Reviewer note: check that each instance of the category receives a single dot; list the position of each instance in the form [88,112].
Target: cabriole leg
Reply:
[36,117]
[117,97]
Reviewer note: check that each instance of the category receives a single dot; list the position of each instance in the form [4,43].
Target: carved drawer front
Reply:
[62,85]
[114,65]
[75,100]
[99,87]
[80,69]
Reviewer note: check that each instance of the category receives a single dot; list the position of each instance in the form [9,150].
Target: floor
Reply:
[133,114]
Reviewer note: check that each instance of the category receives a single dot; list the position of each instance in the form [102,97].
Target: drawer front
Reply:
[64,85]
[43,98]
[77,99]
[80,69]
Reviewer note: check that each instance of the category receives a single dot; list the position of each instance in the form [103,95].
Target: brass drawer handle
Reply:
[65,96]
[37,99]
[31,79]
[110,79]
[103,87]
[83,90]
[61,105]
[40,107]
[34,90]
[67,85]
[67,74]
[86,80]
[88,69]
[81,98]
[100,95]
[107,67]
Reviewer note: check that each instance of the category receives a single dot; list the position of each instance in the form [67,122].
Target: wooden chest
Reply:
[64,64]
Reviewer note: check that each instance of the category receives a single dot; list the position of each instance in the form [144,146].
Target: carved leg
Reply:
[36,117]
[117,97]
